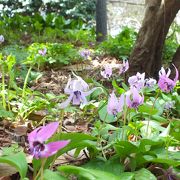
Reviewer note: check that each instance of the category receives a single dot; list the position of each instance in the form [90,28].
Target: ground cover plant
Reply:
[98,123]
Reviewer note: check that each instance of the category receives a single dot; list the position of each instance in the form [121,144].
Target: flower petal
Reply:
[33,136]
[177,73]
[66,102]
[52,148]
[47,131]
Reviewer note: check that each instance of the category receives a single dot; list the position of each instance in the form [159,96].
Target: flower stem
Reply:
[151,112]
[3,90]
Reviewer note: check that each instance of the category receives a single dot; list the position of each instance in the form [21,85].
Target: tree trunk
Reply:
[101,20]
[176,62]
[147,53]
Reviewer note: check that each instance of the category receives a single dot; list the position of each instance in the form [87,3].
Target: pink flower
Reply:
[107,73]
[77,89]
[137,81]
[42,51]
[37,139]
[124,66]
[165,83]
[115,105]
[133,98]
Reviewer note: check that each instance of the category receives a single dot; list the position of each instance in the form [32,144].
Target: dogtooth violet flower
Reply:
[124,66]
[133,98]
[37,139]
[165,83]
[86,54]
[1,39]
[168,105]
[107,73]
[137,81]
[150,82]
[77,89]
[42,51]
[115,105]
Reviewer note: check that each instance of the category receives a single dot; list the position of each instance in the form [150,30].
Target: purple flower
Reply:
[42,51]
[85,53]
[133,98]
[1,39]
[37,139]
[168,105]
[150,82]
[137,81]
[124,66]
[165,83]
[115,105]
[77,89]
[107,73]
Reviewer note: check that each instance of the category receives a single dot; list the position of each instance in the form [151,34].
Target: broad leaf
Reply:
[18,161]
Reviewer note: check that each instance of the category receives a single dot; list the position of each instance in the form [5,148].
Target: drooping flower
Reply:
[42,51]
[168,105]
[150,82]
[124,66]
[137,81]
[165,83]
[1,39]
[77,89]
[115,105]
[85,53]
[107,73]
[37,139]
[133,98]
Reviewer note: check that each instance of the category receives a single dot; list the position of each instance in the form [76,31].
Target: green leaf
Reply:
[144,174]
[87,174]
[48,174]
[118,89]
[124,148]
[111,165]
[104,116]
[18,161]
[146,108]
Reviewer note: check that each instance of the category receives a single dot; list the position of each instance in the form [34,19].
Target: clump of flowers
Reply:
[85,53]
[107,73]
[137,81]
[37,139]
[1,39]
[42,52]
[133,98]
[165,83]
[115,105]
[124,67]
[77,89]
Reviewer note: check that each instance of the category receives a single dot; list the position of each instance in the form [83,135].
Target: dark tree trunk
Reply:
[176,62]
[101,20]
[147,53]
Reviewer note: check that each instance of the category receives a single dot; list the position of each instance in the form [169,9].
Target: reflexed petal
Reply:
[121,102]
[47,131]
[89,92]
[33,136]
[128,99]
[67,102]
[177,73]
[67,89]
[168,73]
[136,96]
[112,103]
[52,147]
